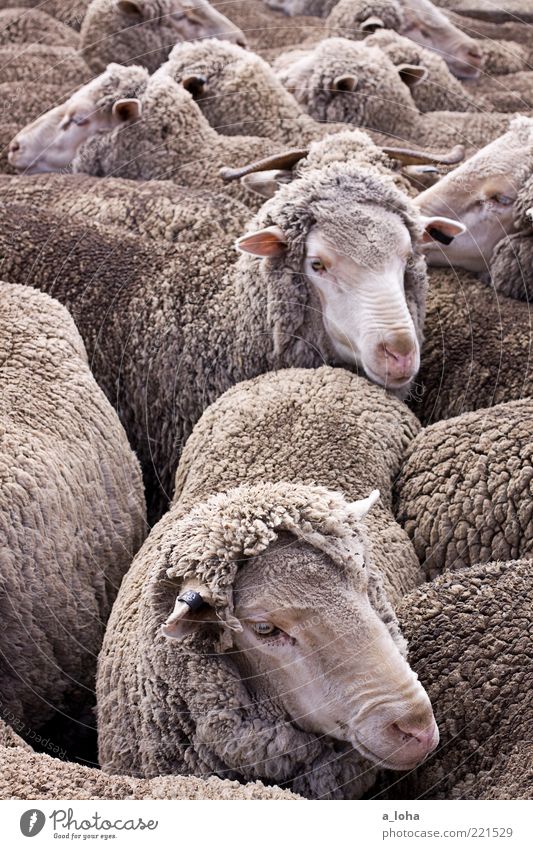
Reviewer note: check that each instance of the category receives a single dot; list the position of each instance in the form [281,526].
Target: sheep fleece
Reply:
[469,640]
[71,510]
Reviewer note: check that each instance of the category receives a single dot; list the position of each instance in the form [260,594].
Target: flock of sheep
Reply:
[266,433]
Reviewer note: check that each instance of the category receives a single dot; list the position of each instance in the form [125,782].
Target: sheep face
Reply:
[346,81]
[428,26]
[51,142]
[482,194]
[312,642]
[144,31]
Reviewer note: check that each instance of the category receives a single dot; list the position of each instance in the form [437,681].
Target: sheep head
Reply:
[294,590]
[51,142]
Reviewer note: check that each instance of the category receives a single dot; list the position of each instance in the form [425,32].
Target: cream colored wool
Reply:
[468,634]
[476,351]
[72,511]
[464,491]
[42,64]
[69,12]
[277,454]
[511,264]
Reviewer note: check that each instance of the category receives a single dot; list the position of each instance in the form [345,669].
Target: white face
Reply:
[333,663]
[364,308]
[429,27]
[189,19]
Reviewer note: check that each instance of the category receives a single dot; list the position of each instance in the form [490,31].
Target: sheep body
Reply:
[69,12]
[72,511]
[276,439]
[229,326]
[23,26]
[463,494]
[42,64]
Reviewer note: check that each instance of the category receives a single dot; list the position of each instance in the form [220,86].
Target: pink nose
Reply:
[417,741]
[399,365]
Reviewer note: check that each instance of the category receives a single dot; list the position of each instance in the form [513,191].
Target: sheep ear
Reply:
[345,82]
[131,7]
[411,75]
[195,84]
[372,24]
[359,509]
[270,242]
[267,183]
[443,230]
[190,610]
[127,109]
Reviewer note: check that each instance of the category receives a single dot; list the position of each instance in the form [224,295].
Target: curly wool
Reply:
[468,641]
[163,212]
[477,349]
[231,325]
[264,459]
[69,12]
[346,17]
[43,64]
[24,774]
[72,510]
[464,491]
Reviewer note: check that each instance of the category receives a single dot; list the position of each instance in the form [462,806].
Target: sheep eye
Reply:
[317,265]
[265,629]
[503,200]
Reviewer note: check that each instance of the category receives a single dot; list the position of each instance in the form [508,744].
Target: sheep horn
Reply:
[280,161]
[418,157]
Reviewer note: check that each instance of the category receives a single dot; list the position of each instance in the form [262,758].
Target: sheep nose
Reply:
[241,42]
[399,364]
[415,739]
[14,146]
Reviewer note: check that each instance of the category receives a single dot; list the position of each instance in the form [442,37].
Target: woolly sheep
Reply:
[418,20]
[31,26]
[511,263]
[24,774]
[379,100]
[72,511]
[162,212]
[69,12]
[476,349]
[483,194]
[510,93]
[141,32]
[463,493]
[42,64]
[258,488]
[468,638]
[141,317]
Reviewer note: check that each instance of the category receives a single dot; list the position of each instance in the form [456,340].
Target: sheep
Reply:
[482,193]
[462,494]
[163,213]
[468,638]
[267,31]
[140,316]
[378,99]
[72,511]
[24,774]
[510,93]
[42,64]
[31,26]
[50,142]
[264,517]
[477,348]
[141,32]
[511,266]
[418,20]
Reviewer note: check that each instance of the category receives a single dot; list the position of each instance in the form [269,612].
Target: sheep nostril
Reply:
[14,146]
[242,43]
